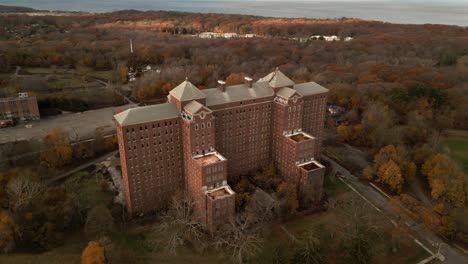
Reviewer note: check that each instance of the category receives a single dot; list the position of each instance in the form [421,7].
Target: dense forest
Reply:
[402,86]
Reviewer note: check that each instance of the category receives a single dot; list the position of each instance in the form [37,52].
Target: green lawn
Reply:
[45,70]
[106,75]
[69,253]
[458,146]
[6,75]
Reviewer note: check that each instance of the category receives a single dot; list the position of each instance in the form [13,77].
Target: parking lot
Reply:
[78,125]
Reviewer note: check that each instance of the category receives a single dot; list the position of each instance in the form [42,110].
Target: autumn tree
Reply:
[7,233]
[390,174]
[268,179]
[446,179]
[235,78]
[43,223]
[391,166]
[99,140]
[59,151]
[94,253]
[122,72]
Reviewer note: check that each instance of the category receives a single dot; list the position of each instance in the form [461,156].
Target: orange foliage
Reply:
[93,254]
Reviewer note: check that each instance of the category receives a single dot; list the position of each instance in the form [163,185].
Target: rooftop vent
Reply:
[222,85]
[248,81]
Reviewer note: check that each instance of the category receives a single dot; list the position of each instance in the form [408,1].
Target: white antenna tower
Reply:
[131,46]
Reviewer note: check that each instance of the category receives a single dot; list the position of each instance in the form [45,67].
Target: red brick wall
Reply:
[151,163]
[314,119]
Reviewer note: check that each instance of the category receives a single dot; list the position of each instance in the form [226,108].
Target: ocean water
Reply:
[449,12]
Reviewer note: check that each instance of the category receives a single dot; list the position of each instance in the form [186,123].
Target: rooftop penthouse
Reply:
[311,166]
[300,137]
[219,193]
[209,158]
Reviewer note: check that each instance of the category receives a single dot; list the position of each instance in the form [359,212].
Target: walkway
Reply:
[79,168]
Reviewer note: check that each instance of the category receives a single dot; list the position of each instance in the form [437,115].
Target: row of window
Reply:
[154,125]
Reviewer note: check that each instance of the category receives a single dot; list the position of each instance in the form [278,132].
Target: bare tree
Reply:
[309,250]
[21,190]
[179,226]
[241,239]
[358,225]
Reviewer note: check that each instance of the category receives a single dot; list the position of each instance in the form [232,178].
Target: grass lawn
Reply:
[64,81]
[106,75]
[69,253]
[6,75]
[44,70]
[458,146]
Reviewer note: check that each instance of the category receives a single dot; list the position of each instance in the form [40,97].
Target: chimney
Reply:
[248,81]
[222,85]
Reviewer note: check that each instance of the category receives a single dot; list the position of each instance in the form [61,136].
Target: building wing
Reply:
[147,114]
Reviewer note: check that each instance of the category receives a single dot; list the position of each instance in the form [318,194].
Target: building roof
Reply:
[145,114]
[186,91]
[286,92]
[310,88]
[194,107]
[236,93]
[277,79]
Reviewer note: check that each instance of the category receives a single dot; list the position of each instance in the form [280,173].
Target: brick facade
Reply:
[19,108]
[202,137]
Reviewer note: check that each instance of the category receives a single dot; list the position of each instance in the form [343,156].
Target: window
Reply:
[208,125]
[196,126]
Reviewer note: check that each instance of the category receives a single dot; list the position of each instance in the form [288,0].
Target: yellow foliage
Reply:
[385,154]
[235,78]
[59,150]
[390,174]
[343,132]
[368,173]
[431,219]
[7,239]
[446,179]
[93,254]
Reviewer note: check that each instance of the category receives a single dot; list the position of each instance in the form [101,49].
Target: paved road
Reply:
[81,167]
[18,69]
[451,254]
[127,99]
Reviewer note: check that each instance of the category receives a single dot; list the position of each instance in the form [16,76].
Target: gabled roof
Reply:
[237,93]
[310,88]
[194,107]
[145,114]
[277,79]
[286,92]
[186,91]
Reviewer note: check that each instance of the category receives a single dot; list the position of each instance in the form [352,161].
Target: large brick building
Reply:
[200,138]
[19,108]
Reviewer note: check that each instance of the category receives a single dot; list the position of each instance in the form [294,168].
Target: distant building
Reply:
[335,110]
[201,138]
[20,108]
[330,38]
[213,35]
